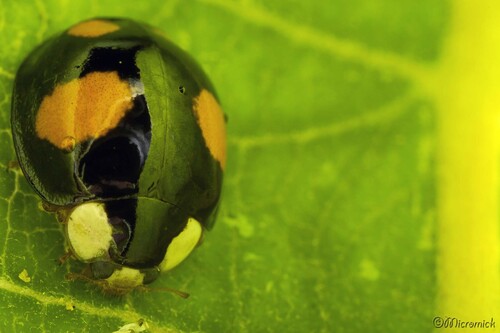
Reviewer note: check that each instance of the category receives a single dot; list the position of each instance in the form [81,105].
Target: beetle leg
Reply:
[13,165]
[62,215]
[65,257]
[49,208]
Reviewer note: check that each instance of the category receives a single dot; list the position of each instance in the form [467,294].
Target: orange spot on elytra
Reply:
[93,28]
[68,143]
[212,124]
[83,108]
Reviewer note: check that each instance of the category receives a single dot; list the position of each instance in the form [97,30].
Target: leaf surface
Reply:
[336,194]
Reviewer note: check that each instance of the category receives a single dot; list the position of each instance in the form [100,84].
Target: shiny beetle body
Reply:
[121,133]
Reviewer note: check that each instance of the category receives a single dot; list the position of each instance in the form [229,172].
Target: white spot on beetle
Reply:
[126,278]
[182,245]
[88,232]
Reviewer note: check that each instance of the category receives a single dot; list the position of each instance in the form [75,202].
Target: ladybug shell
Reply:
[109,110]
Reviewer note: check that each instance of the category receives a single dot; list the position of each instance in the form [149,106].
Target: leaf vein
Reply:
[419,73]
[43,20]
[380,116]
[6,73]
[125,316]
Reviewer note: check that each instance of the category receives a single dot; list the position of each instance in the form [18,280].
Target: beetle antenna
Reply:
[179,293]
[122,291]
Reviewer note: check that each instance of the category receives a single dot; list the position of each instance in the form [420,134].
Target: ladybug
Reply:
[120,132]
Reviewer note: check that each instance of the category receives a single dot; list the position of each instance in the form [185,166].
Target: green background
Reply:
[329,211]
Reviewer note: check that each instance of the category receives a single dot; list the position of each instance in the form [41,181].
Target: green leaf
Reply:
[361,191]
